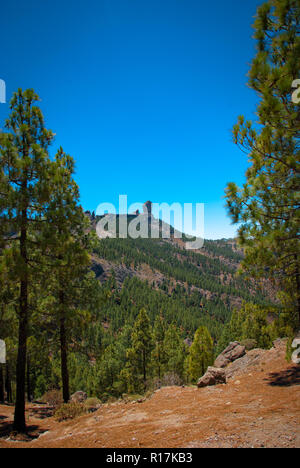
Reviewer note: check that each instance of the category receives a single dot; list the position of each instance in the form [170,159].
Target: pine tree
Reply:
[159,354]
[267,206]
[108,369]
[68,243]
[201,354]
[139,354]
[175,351]
[255,325]
[25,190]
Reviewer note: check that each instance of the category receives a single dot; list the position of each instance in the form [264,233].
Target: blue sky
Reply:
[142,93]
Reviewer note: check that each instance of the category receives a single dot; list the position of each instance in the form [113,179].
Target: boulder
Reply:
[213,376]
[233,352]
[221,361]
[79,397]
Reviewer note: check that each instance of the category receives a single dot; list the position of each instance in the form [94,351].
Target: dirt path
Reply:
[259,407]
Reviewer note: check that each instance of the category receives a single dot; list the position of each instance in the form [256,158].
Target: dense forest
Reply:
[114,317]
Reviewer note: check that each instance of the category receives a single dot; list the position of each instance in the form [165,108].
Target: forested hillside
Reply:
[178,292]
[190,288]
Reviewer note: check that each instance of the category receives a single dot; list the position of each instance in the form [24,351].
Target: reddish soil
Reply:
[258,407]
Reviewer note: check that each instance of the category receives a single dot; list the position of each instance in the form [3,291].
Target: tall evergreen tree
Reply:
[25,190]
[201,354]
[267,206]
[68,244]
[159,354]
[139,354]
[175,351]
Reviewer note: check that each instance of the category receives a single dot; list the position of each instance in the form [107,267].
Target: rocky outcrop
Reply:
[79,397]
[256,359]
[245,364]
[213,376]
[233,352]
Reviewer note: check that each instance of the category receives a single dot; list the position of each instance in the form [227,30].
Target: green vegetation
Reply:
[69,411]
[185,266]
[268,204]
[44,256]
[111,339]
[201,354]
[256,326]
[161,314]
[139,354]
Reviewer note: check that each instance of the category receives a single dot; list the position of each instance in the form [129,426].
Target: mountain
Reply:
[190,287]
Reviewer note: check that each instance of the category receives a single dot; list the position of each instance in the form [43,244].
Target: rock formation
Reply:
[233,351]
[213,376]
[147,207]
[79,397]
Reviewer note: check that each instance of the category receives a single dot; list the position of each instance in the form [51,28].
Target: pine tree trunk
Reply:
[159,365]
[19,418]
[8,384]
[64,353]
[28,380]
[1,385]
[144,368]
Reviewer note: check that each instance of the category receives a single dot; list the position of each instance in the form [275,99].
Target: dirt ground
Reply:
[258,407]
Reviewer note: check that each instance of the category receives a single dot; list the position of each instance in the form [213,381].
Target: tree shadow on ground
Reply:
[32,432]
[42,412]
[285,378]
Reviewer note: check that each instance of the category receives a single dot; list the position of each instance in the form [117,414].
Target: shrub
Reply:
[131,397]
[154,384]
[91,403]
[170,379]
[53,398]
[111,399]
[249,344]
[148,394]
[40,386]
[69,411]
[289,350]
